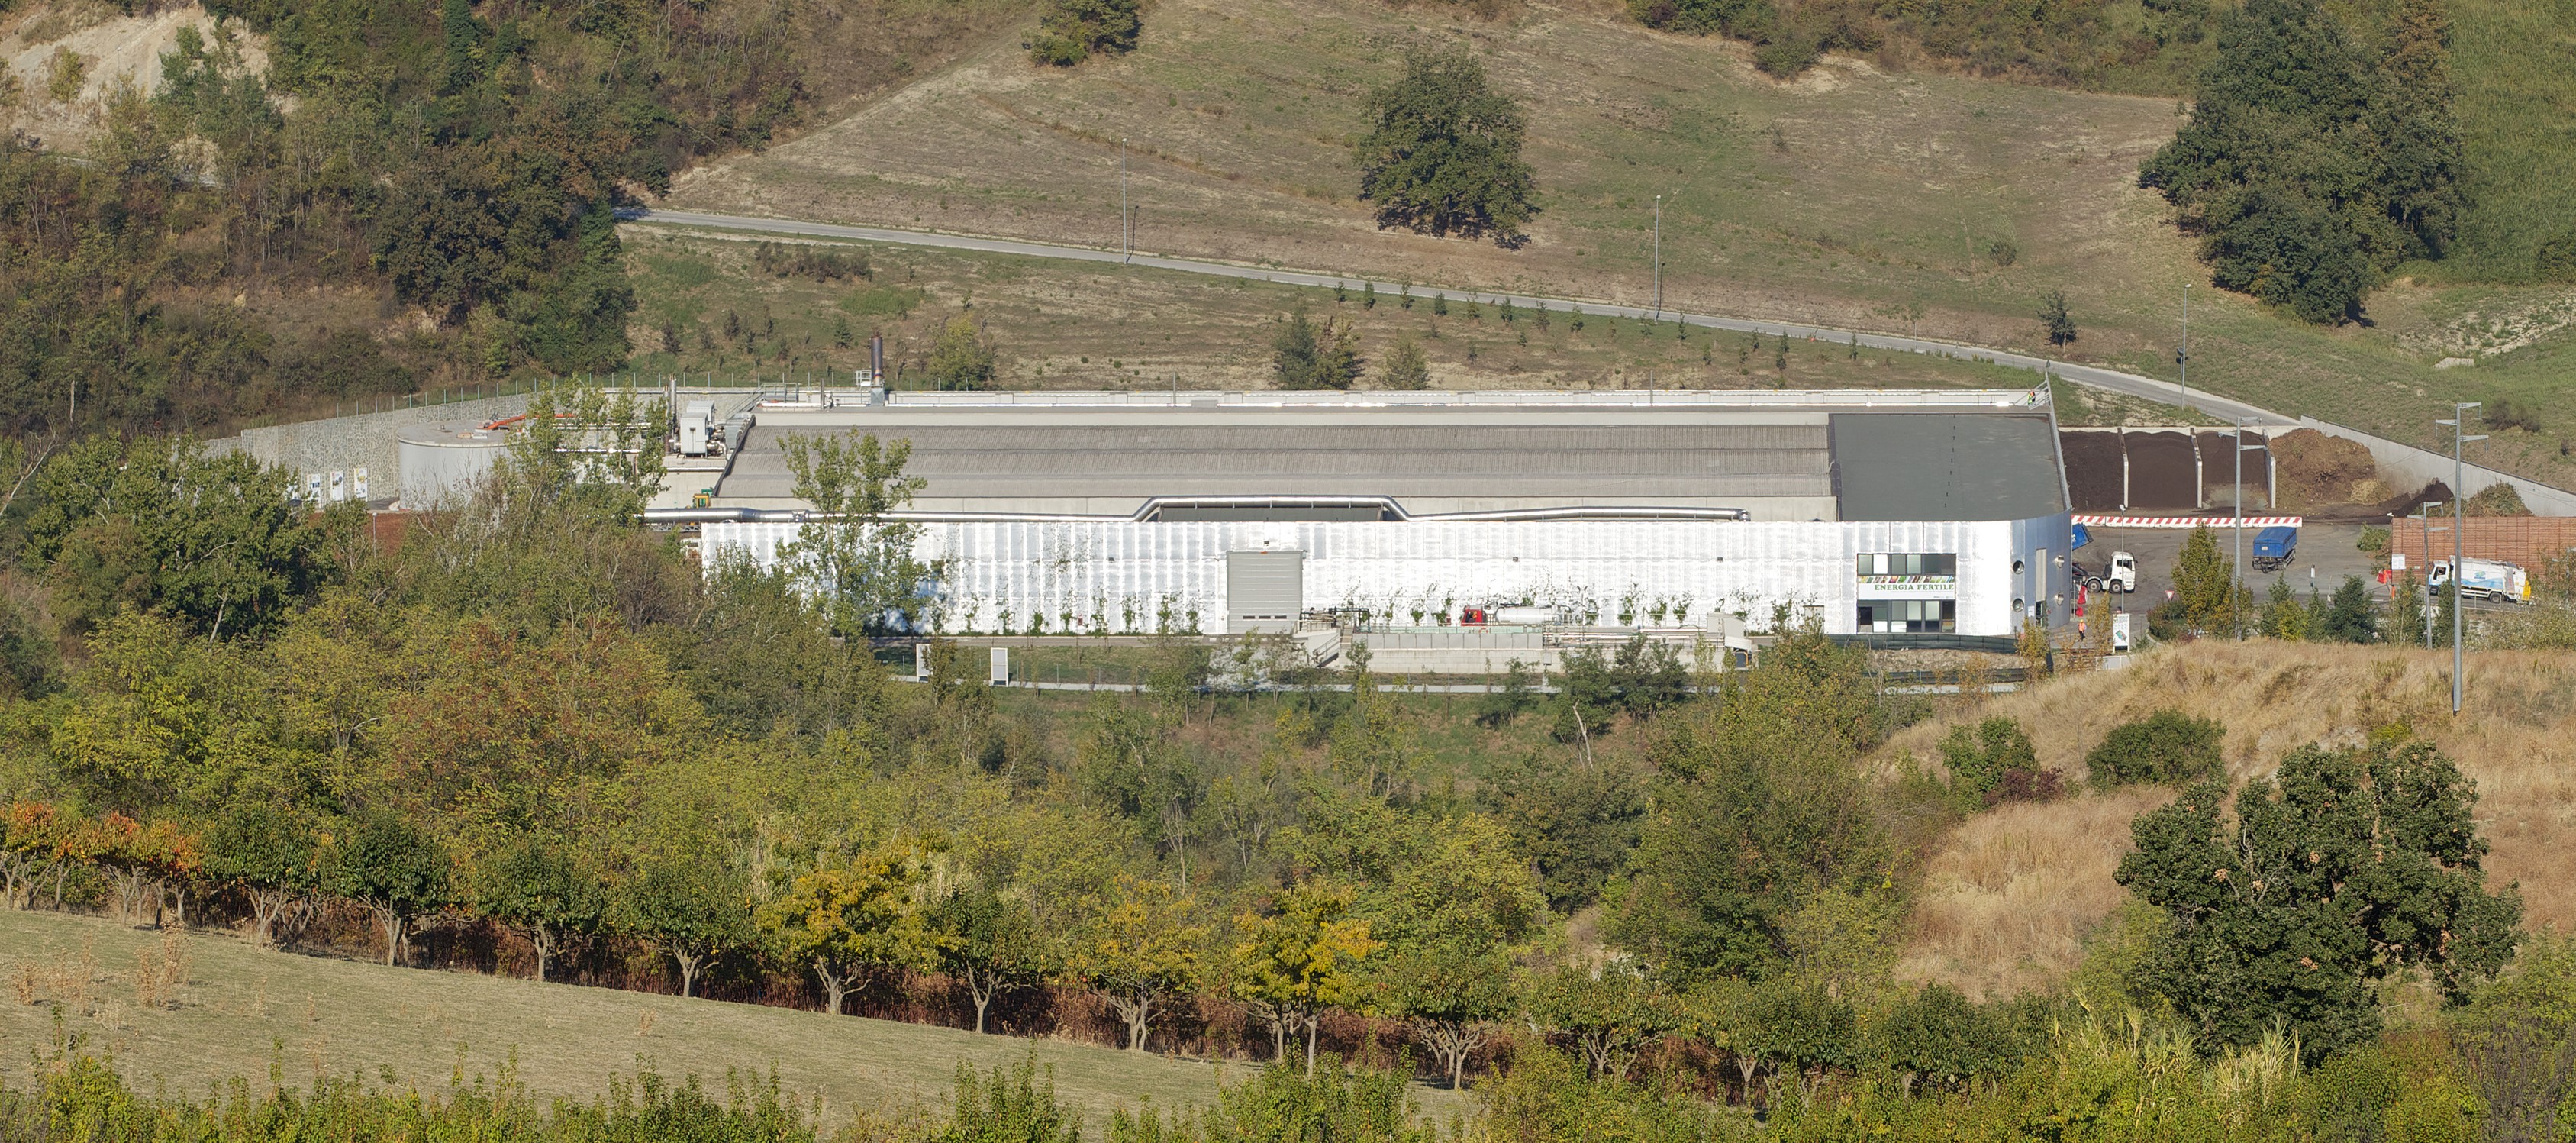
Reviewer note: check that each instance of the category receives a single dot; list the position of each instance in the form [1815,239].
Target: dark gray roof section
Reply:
[1940,466]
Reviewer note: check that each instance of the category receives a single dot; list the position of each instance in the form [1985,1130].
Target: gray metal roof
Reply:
[1778,459]
[1930,466]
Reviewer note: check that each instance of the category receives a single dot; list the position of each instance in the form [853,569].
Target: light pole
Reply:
[2182,353]
[2236,593]
[1126,222]
[1659,257]
[2459,520]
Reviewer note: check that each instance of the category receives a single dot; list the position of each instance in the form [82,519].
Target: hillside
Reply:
[242,1012]
[2011,895]
[1852,195]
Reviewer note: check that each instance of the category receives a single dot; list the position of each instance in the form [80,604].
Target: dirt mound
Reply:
[2093,470]
[2314,470]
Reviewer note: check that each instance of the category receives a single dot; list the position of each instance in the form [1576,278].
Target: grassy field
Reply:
[1851,196]
[1071,325]
[2011,896]
[245,1013]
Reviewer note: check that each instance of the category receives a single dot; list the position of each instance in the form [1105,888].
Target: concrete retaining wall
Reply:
[2405,466]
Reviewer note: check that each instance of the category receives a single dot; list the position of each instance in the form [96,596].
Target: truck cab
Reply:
[2120,575]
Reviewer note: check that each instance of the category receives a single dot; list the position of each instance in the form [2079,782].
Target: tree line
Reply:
[532,717]
[456,159]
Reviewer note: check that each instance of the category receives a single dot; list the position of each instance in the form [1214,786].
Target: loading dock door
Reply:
[1264,591]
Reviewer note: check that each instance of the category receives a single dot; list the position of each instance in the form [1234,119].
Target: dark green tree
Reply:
[1072,31]
[1451,991]
[1577,824]
[1308,354]
[1611,1011]
[693,908]
[273,856]
[2347,866]
[1759,801]
[2052,313]
[990,942]
[2349,616]
[1443,153]
[2309,166]
[541,891]
[394,869]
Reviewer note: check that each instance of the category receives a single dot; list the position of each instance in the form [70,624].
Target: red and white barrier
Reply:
[2188,521]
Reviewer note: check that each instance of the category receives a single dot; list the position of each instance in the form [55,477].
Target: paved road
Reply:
[2108,379]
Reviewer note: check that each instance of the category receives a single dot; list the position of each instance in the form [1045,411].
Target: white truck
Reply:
[2120,575]
[2482,579]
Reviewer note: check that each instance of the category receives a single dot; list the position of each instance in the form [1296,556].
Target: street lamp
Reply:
[2182,353]
[2235,598]
[1659,258]
[2459,520]
[1126,221]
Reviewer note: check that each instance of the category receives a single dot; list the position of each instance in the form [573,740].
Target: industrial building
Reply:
[1913,516]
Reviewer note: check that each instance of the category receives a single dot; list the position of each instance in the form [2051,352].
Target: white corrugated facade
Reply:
[1122,576]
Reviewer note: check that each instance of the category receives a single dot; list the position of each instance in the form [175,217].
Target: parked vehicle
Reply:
[2482,579]
[2275,546]
[2121,574]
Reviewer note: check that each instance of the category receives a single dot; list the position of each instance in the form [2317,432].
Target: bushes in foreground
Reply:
[2167,747]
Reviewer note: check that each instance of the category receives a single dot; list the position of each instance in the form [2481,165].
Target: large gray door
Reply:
[1264,591]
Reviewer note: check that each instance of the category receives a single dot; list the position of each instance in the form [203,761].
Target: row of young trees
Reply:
[534,713]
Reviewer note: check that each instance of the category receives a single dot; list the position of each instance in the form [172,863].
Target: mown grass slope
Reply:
[248,1014]
[1851,196]
[2011,895]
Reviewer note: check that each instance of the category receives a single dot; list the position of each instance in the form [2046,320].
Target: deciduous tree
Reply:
[393,868]
[1300,958]
[852,918]
[992,942]
[2347,866]
[1140,947]
[1443,152]
[541,890]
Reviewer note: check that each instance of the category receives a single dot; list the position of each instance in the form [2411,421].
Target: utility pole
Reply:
[1659,257]
[2459,522]
[1126,221]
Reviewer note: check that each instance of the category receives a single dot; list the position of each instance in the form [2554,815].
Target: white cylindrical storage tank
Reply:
[441,463]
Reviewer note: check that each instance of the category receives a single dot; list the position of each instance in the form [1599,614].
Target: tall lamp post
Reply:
[2459,520]
[2236,595]
[1126,221]
[2182,353]
[1659,257]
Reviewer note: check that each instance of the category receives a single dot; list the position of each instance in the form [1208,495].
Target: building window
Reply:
[1908,616]
[1906,567]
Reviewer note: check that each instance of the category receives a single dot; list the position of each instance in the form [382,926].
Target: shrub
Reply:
[2167,747]
[1995,763]
[1074,30]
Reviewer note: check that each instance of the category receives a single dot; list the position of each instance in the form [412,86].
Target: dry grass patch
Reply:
[1856,196]
[2010,895]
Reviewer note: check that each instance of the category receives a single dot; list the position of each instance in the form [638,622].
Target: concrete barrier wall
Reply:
[2409,467]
